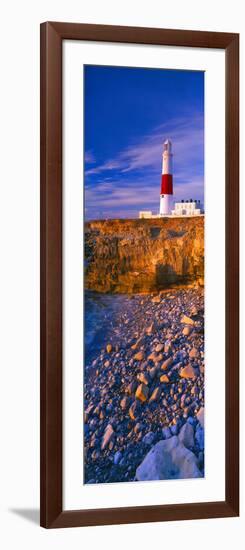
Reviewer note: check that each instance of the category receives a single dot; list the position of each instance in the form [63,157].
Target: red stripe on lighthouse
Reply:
[167,184]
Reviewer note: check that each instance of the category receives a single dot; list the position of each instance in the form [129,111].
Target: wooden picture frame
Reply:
[52,35]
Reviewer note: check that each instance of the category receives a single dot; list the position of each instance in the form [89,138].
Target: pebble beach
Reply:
[144,387]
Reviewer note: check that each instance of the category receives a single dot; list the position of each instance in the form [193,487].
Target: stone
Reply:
[124,403]
[156,300]
[187,320]
[148,438]
[166,433]
[168,459]
[149,330]
[188,372]
[139,356]
[166,364]
[164,379]
[107,437]
[86,430]
[134,346]
[174,429]
[88,412]
[153,372]
[133,411]
[109,348]
[199,437]
[131,387]
[97,410]
[187,330]
[194,353]
[159,347]
[200,416]
[137,344]
[191,420]
[182,400]
[137,427]
[167,347]
[142,377]
[117,458]
[186,435]
[153,357]
[142,392]
[155,396]
[201,368]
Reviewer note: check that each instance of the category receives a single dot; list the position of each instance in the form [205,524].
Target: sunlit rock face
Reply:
[131,256]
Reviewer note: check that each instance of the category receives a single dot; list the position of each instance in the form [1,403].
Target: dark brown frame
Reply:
[52,35]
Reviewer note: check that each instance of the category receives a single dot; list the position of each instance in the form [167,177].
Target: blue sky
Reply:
[129,112]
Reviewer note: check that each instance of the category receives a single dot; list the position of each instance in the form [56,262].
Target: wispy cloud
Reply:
[89,157]
[187,137]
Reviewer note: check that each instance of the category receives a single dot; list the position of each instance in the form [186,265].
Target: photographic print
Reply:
[144,215]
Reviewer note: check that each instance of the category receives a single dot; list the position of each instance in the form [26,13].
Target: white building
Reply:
[187,208]
[145,214]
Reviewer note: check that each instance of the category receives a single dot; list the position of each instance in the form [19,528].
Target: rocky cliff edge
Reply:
[131,256]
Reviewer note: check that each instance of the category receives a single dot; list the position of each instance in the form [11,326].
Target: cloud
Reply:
[185,133]
[89,157]
[109,165]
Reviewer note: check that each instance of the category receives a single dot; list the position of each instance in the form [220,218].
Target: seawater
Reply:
[102,318]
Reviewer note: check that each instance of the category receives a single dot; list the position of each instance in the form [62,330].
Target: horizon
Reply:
[122,166]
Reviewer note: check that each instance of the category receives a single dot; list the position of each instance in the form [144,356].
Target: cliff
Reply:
[143,255]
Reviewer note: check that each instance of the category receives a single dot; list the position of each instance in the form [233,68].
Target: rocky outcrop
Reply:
[131,256]
[168,459]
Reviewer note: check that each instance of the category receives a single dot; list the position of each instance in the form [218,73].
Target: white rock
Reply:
[148,438]
[199,437]
[166,433]
[186,435]
[168,459]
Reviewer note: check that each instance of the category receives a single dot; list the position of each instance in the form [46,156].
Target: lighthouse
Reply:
[167,179]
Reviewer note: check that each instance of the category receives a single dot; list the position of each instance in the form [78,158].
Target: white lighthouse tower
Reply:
[167,179]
